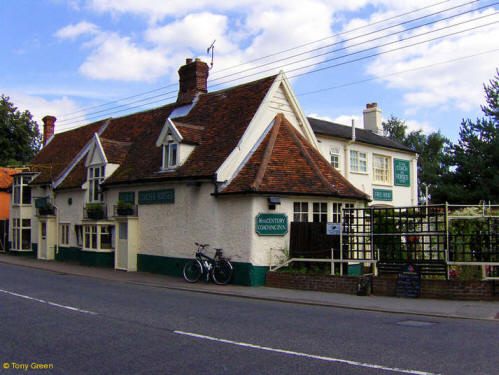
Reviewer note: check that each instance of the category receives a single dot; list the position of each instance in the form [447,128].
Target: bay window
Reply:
[95,178]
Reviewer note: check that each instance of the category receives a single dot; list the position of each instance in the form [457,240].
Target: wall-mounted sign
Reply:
[402,173]
[271,224]
[333,229]
[157,196]
[382,195]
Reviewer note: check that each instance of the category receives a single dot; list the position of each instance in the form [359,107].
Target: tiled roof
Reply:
[121,138]
[286,163]
[216,123]
[361,135]
[6,177]
[56,156]
[190,133]
[115,151]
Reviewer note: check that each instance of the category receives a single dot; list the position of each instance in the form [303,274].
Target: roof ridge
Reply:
[123,143]
[268,152]
[307,156]
[190,126]
[274,76]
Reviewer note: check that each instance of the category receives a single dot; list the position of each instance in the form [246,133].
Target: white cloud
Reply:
[73,31]
[118,58]
[425,126]
[198,30]
[347,120]
[40,107]
[452,85]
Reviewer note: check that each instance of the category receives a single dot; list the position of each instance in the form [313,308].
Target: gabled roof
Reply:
[57,155]
[332,129]
[6,177]
[286,163]
[215,123]
[120,138]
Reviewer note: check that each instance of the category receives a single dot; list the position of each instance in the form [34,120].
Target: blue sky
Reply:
[64,58]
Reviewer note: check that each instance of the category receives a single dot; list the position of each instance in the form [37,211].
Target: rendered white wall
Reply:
[402,195]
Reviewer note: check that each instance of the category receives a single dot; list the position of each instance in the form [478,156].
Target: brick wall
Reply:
[384,286]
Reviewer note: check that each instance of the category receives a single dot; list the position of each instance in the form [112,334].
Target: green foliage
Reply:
[432,161]
[20,138]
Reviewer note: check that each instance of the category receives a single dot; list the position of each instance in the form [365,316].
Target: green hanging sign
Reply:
[402,173]
[382,195]
[271,224]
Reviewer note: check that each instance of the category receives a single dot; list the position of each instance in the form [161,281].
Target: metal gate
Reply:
[429,237]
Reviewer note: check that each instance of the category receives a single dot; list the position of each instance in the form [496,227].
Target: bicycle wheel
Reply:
[221,272]
[192,271]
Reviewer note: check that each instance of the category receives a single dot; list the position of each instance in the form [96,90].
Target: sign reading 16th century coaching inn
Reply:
[271,224]
[157,196]
[402,172]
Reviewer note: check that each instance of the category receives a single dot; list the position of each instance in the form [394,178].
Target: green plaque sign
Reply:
[127,196]
[271,224]
[157,196]
[402,172]
[382,195]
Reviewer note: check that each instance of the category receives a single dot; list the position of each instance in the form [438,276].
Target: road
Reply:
[77,325]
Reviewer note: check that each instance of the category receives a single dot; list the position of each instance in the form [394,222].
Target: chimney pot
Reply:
[48,128]
[372,118]
[193,77]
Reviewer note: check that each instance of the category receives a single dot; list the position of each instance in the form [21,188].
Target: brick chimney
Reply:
[48,128]
[193,77]
[372,118]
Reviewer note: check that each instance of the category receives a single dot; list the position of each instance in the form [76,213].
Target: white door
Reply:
[43,240]
[122,256]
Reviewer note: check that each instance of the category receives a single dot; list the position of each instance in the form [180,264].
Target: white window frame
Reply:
[300,211]
[93,237]
[19,185]
[319,212]
[358,161]
[16,233]
[336,213]
[94,183]
[170,155]
[334,151]
[382,171]
[21,228]
[65,233]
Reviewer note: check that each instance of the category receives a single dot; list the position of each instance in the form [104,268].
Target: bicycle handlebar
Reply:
[202,245]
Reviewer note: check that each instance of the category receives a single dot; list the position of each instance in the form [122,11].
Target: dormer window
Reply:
[170,155]
[95,178]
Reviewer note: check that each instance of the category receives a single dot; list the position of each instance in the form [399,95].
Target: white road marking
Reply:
[48,302]
[305,355]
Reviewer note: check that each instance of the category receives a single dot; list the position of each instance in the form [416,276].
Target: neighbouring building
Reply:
[384,169]
[5,193]
[231,168]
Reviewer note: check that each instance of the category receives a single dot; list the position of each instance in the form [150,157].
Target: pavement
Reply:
[481,310]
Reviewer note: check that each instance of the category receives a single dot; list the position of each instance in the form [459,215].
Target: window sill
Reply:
[362,173]
[382,184]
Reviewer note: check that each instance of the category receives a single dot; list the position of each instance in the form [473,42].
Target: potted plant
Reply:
[124,208]
[46,209]
[95,211]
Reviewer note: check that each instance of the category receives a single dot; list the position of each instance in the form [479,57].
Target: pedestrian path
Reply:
[488,310]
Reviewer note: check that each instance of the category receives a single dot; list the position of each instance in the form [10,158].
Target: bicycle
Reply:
[218,268]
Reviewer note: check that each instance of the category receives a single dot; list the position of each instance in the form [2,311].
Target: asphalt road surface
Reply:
[61,324]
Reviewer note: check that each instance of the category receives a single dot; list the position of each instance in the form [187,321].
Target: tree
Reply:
[20,138]
[432,160]
[395,129]
[475,158]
